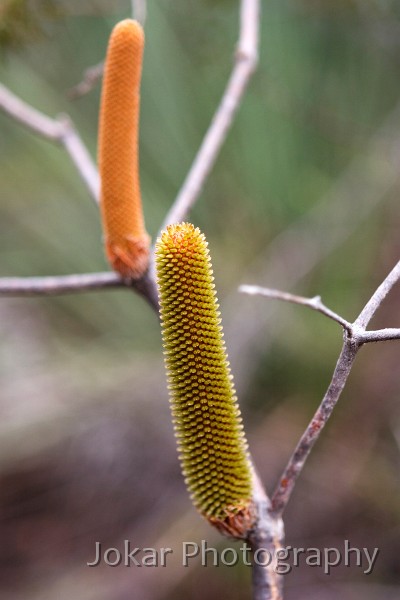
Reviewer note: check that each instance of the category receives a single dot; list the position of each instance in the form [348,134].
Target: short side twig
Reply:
[245,63]
[93,74]
[313,303]
[60,130]
[90,77]
[379,335]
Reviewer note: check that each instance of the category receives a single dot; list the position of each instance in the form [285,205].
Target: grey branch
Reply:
[296,463]
[379,335]
[266,536]
[90,77]
[313,303]
[58,284]
[246,60]
[71,284]
[378,297]
[355,332]
[60,130]
[139,10]
[354,339]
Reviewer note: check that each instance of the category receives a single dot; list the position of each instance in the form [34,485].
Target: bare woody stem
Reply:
[93,74]
[313,303]
[355,335]
[245,63]
[287,482]
[267,536]
[378,297]
[60,130]
[20,287]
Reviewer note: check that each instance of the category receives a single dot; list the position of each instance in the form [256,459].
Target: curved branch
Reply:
[60,130]
[90,77]
[246,60]
[352,343]
[313,303]
[378,297]
[72,284]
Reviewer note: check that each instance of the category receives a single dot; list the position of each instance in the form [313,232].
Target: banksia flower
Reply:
[125,237]
[208,427]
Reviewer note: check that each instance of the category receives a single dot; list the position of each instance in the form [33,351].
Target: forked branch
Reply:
[355,335]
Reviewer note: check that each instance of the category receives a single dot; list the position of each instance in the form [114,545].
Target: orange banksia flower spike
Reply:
[126,240]
[211,443]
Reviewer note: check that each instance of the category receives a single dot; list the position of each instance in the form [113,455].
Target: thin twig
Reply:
[60,130]
[73,284]
[93,74]
[378,335]
[90,77]
[352,343]
[377,298]
[139,10]
[58,284]
[287,482]
[267,536]
[245,63]
[356,333]
[369,180]
[313,303]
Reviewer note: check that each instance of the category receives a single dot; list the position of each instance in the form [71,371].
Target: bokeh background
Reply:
[305,196]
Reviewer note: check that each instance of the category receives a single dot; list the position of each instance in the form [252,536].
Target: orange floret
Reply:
[126,240]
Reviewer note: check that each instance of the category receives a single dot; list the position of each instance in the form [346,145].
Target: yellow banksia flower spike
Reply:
[211,443]
[126,240]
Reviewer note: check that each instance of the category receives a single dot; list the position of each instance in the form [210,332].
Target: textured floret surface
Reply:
[208,426]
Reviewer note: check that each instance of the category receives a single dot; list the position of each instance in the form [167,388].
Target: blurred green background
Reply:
[304,196]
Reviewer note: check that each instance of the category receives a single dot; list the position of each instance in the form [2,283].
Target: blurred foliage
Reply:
[86,444]
[22,21]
